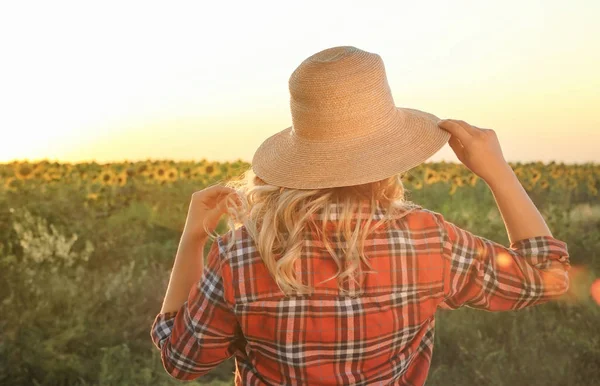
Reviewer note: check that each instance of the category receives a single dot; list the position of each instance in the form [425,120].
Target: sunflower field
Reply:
[86,251]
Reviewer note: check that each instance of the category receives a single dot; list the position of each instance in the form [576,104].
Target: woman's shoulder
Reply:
[417,214]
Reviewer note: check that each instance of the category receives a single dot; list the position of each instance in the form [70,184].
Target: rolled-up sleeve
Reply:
[481,273]
[202,333]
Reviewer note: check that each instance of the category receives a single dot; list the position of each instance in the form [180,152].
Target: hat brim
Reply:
[408,139]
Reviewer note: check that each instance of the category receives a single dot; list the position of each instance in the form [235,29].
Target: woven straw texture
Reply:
[346,128]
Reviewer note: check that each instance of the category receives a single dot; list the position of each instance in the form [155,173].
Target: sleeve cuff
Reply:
[162,328]
[541,250]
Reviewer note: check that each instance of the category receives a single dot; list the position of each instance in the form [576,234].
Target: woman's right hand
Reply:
[478,149]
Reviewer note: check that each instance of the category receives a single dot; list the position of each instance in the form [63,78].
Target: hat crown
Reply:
[340,92]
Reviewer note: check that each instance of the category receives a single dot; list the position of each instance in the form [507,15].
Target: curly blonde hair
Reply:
[276,217]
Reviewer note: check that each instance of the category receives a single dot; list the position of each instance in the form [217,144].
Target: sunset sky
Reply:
[109,81]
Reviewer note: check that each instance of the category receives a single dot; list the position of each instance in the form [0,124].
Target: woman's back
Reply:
[382,336]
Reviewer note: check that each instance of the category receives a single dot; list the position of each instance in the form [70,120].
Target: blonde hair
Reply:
[276,217]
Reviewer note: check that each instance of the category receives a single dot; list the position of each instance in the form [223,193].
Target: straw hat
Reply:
[346,129]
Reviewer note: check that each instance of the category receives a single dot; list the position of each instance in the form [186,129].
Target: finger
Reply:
[469,128]
[456,130]
[232,198]
[217,191]
[457,147]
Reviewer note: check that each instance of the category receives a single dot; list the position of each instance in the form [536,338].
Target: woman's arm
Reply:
[479,150]
[187,270]
[521,217]
[205,209]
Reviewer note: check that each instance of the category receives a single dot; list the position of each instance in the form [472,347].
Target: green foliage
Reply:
[84,278]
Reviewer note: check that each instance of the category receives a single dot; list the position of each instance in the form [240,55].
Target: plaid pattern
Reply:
[383,337]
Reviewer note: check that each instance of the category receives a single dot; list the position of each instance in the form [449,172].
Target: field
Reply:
[86,250]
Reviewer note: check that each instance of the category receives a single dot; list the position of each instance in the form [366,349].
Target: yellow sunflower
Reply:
[544,184]
[519,172]
[130,171]
[431,176]
[417,185]
[172,174]
[52,174]
[409,178]
[92,176]
[160,172]
[212,169]
[120,178]
[142,168]
[38,173]
[150,177]
[186,172]
[106,177]
[203,172]
[11,183]
[458,181]
[473,178]
[535,176]
[556,172]
[24,171]
[444,176]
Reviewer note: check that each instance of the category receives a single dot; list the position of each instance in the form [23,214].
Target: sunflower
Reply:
[444,176]
[206,171]
[186,172]
[142,168]
[544,184]
[527,185]
[431,176]
[418,185]
[160,172]
[24,171]
[38,173]
[92,176]
[106,177]
[172,174]
[120,179]
[11,183]
[473,178]
[458,181]
[519,172]
[212,169]
[150,177]
[5,172]
[409,178]
[556,172]
[51,174]
[535,176]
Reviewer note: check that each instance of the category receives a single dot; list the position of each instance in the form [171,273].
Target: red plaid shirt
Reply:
[384,337]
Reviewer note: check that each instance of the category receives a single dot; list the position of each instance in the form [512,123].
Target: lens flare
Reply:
[503,259]
[595,291]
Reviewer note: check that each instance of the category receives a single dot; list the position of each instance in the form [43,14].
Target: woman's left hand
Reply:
[206,208]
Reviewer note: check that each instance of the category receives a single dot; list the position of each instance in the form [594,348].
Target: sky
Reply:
[124,80]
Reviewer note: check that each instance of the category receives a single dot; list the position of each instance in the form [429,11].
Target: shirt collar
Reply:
[364,210]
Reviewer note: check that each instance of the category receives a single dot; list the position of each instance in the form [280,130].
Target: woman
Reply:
[333,277]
